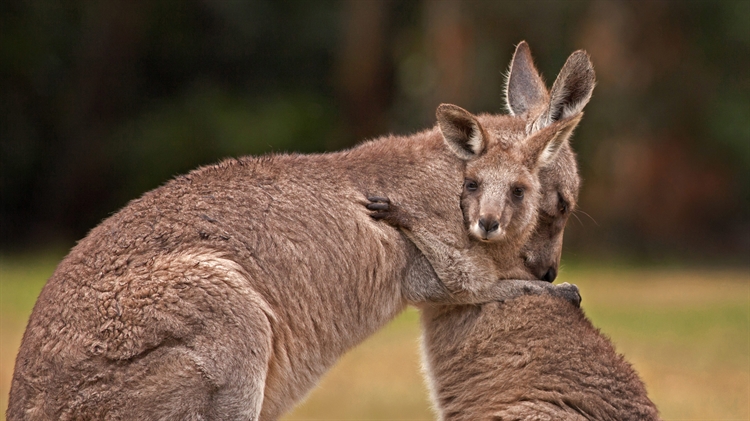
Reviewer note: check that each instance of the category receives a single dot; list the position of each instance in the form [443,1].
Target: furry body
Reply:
[531,358]
[243,277]
[228,292]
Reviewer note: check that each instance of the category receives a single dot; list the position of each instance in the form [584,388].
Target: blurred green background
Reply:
[102,101]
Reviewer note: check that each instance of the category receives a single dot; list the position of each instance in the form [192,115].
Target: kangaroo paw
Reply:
[383,210]
[569,292]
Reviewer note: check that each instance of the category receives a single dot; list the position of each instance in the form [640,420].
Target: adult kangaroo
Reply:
[229,291]
[531,357]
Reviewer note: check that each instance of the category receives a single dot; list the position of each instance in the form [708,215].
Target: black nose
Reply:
[550,275]
[488,225]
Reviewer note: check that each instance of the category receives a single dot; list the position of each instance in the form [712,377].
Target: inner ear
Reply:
[571,91]
[525,90]
[461,131]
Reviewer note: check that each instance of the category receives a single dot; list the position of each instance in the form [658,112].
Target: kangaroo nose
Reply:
[550,275]
[488,225]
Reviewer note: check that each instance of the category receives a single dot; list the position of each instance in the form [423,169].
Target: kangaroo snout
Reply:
[550,275]
[488,228]
[543,271]
[488,224]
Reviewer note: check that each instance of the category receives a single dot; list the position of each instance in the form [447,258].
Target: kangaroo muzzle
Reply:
[488,228]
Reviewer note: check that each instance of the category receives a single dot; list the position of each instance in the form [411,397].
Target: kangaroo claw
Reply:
[383,209]
[569,292]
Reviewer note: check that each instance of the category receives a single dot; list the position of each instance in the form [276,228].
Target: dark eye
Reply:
[471,185]
[518,192]
[562,205]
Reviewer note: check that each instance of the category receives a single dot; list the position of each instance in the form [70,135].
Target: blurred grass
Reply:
[686,331]
[21,279]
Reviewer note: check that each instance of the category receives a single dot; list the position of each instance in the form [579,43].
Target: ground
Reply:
[687,331]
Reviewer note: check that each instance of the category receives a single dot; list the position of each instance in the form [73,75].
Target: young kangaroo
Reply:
[228,292]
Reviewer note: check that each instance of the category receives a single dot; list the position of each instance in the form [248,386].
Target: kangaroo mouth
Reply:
[489,237]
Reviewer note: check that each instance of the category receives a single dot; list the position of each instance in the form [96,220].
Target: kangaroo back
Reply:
[531,358]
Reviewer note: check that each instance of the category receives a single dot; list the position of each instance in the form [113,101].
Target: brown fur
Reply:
[560,183]
[530,358]
[471,263]
[228,292]
[512,152]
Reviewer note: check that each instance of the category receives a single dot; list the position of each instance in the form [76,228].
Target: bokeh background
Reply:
[102,101]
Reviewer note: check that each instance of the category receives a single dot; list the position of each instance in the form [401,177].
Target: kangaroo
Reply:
[229,291]
[531,357]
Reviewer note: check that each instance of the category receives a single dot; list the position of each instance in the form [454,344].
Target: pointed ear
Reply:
[524,90]
[461,131]
[541,148]
[571,91]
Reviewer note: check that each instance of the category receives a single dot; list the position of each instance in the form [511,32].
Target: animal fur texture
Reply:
[229,291]
[503,199]
[532,358]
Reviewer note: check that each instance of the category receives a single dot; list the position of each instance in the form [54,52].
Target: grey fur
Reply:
[531,358]
[506,160]
[524,89]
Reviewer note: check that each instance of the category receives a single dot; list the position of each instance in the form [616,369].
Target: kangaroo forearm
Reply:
[458,269]
[472,278]
[507,289]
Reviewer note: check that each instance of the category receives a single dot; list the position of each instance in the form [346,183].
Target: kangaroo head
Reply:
[527,98]
[559,195]
[501,189]
[521,179]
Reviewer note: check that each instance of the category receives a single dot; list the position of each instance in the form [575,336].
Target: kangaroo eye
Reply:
[562,204]
[518,192]
[471,185]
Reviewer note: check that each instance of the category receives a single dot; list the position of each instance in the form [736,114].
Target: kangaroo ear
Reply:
[541,148]
[524,90]
[570,92]
[461,131]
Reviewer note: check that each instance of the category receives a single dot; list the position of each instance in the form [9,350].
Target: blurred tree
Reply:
[100,101]
[105,100]
[362,74]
